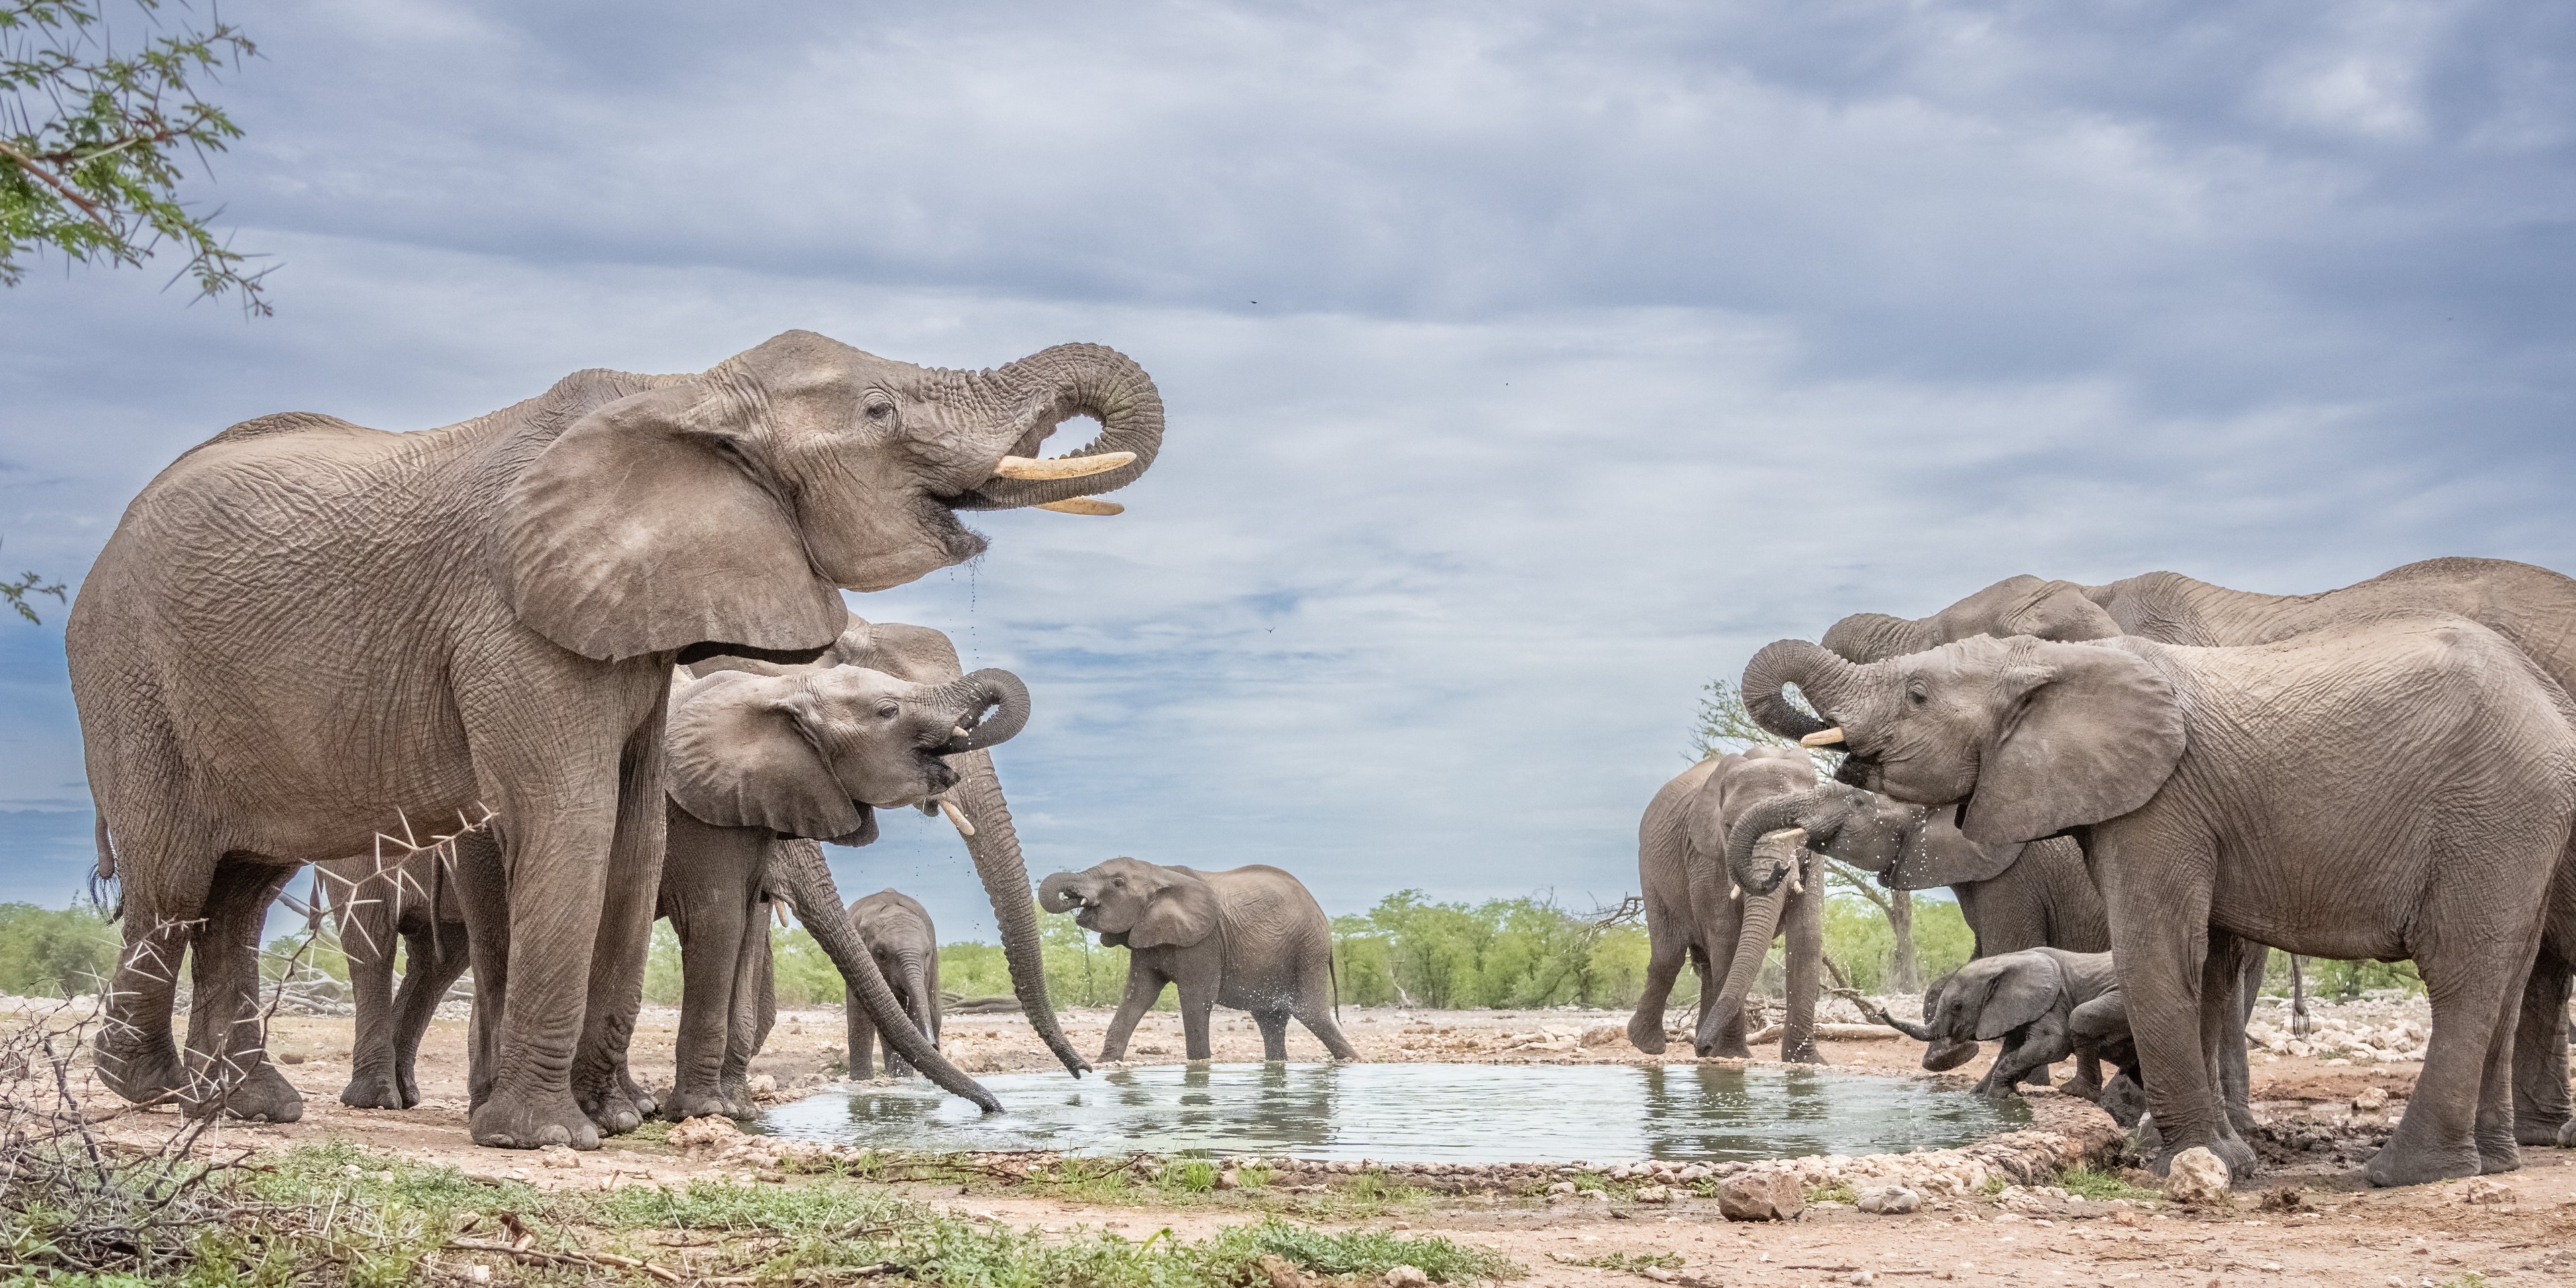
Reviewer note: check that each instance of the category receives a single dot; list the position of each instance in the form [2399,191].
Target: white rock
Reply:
[2197,1176]
[1405,1277]
[1890,1200]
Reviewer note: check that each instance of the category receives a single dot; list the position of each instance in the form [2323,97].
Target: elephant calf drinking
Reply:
[1250,938]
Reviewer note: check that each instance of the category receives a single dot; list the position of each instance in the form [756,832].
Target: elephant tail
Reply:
[1333,972]
[104,889]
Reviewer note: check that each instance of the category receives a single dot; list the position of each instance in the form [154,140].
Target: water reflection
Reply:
[1419,1112]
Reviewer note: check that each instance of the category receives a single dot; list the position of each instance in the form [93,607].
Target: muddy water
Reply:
[1418,1113]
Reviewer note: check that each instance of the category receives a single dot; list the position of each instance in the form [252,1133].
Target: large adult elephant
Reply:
[975,804]
[1251,937]
[2399,788]
[305,632]
[2533,607]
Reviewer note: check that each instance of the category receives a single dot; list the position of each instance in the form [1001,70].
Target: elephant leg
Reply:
[1274,1035]
[484,896]
[1313,1009]
[2459,1120]
[2540,1100]
[435,960]
[1803,956]
[748,1025]
[2034,1046]
[624,935]
[1198,990]
[135,1054]
[711,957]
[2159,944]
[367,939]
[227,1053]
[558,846]
[2087,1082]
[863,1036]
[1144,985]
[1667,948]
[2246,962]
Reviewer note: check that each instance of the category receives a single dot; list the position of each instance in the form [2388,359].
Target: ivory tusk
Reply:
[1823,737]
[956,816]
[957,731]
[1061,467]
[1084,505]
[1793,837]
[780,909]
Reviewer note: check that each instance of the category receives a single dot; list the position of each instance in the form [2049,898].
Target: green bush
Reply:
[49,953]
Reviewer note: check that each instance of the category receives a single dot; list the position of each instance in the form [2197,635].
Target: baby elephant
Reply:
[899,935]
[2045,1004]
[1250,938]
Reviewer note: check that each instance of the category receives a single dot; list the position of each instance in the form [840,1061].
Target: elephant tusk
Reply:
[781,910]
[958,731]
[956,816]
[1062,467]
[1822,737]
[1084,505]
[1793,837]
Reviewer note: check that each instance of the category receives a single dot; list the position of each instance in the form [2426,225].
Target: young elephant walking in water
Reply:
[899,935]
[1250,938]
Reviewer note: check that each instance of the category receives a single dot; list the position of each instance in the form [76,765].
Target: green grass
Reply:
[394,1212]
[2085,1182]
[1834,1192]
[1632,1262]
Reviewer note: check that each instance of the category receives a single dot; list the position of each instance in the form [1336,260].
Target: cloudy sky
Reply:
[1527,364]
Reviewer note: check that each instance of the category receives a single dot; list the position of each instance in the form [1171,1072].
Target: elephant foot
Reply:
[1646,1037]
[2537,1131]
[612,1112]
[683,1104]
[142,1071]
[2082,1088]
[373,1090]
[525,1121]
[2497,1154]
[263,1096]
[2567,1135]
[2236,1154]
[1804,1053]
[636,1095]
[2397,1164]
[2240,1120]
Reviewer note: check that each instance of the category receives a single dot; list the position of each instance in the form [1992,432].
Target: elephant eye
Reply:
[880,409]
[888,711]
[1916,693]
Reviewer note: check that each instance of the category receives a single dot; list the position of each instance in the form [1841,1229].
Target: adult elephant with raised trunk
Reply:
[976,805]
[2530,606]
[2402,788]
[305,632]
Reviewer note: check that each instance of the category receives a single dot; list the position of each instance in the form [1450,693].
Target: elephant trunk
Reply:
[967,699]
[1820,675]
[1918,1032]
[1752,944]
[1874,637]
[1765,818]
[807,882]
[1061,892]
[995,847]
[1055,384]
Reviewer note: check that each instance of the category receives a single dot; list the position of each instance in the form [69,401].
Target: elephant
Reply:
[898,931]
[975,804]
[2395,788]
[755,761]
[2533,607]
[373,902]
[1250,938]
[2043,1004]
[305,632]
[1692,914]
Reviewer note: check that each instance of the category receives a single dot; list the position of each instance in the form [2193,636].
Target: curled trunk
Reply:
[1872,637]
[996,850]
[1751,876]
[1817,673]
[991,705]
[798,869]
[1054,385]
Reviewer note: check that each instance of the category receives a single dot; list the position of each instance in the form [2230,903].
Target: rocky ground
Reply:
[1974,1218]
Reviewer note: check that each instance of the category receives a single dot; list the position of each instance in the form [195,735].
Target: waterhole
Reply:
[1466,1113]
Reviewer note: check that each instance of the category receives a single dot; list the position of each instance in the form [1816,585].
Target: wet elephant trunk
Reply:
[1765,818]
[1054,385]
[1752,944]
[967,700]
[995,847]
[1820,675]
[797,867]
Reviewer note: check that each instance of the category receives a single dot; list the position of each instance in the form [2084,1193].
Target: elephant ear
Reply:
[642,529]
[740,755]
[1181,913]
[2022,990]
[1939,854]
[2079,733]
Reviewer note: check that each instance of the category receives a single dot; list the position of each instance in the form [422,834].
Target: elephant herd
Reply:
[2136,790]
[602,632]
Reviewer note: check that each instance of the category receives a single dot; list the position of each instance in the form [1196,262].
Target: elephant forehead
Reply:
[847,687]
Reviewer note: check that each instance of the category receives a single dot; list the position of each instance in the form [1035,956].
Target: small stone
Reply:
[290,1057]
[763,1084]
[1405,1277]
[1890,1200]
[2370,1100]
[1653,1194]
[1603,1035]
[1761,1196]
[1561,1187]
[1282,1272]
[1590,1195]
[559,1156]
[2197,1177]
[1659,1274]
[2480,1190]
[2273,1267]
[1229,1179]
[479,1273]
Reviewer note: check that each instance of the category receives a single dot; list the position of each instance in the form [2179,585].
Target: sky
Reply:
[1527,365]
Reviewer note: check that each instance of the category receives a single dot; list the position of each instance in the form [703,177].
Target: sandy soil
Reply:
[2344,1233]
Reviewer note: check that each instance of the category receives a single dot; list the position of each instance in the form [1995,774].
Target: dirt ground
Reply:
[2341,1232]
